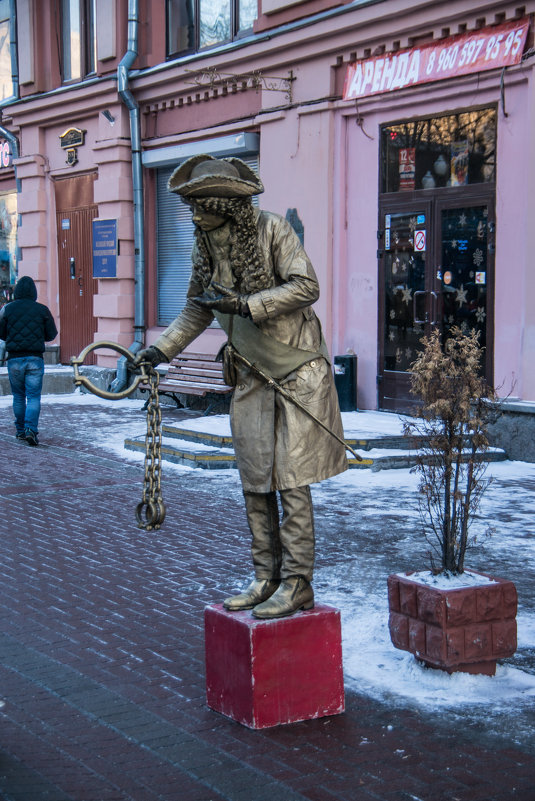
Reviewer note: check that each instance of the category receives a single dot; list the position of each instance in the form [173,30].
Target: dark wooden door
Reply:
[75,265]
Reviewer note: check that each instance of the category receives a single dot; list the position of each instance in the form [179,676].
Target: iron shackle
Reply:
[79,379]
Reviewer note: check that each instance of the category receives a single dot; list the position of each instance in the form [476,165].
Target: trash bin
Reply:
[345,379]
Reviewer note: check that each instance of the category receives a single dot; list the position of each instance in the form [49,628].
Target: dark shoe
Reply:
[21,435]
[31,437]
[294,593]
[259,590]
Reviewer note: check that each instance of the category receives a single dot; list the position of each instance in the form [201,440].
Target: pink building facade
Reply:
[411,185]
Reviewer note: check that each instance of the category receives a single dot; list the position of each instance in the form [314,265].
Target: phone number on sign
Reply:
[499,47]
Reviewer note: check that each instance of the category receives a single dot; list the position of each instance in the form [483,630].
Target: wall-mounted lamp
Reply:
[108,115]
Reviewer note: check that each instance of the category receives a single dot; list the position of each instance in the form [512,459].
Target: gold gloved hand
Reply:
[226,301]
[151,354]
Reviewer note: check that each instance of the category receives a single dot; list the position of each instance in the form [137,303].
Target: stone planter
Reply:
[460,629]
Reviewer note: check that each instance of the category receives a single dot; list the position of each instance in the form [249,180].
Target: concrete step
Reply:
[58,380]
[213,451]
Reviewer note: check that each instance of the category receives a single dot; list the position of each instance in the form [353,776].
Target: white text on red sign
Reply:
[489,48]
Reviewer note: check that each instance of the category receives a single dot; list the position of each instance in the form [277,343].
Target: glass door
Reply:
[436,270]
[408,303]
[466,270]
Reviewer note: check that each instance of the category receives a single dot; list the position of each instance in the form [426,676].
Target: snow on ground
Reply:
[371,664]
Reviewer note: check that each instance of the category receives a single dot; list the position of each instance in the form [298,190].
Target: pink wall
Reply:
[356,220]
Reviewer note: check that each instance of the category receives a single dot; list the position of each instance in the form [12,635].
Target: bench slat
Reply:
[194,374]
[196,379]
[193,371]
[193,389]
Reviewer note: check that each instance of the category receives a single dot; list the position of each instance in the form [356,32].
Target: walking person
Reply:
[251,272]
[26,325]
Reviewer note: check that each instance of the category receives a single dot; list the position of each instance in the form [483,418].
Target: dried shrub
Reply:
[451,431]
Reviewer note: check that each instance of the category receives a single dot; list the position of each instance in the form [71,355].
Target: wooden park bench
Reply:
[197,374]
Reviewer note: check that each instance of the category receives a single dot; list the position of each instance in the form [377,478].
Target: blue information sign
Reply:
[104,248]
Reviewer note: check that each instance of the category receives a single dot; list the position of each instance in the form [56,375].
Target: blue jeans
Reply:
[26,379]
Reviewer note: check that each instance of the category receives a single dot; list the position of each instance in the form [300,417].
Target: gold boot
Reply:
[259,590]
[294,593]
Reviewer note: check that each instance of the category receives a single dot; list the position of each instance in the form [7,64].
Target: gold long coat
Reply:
[277,445]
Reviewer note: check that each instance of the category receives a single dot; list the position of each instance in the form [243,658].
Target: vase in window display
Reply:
[440,167]
[428,182]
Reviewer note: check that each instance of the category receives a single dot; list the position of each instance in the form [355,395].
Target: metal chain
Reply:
[150,513]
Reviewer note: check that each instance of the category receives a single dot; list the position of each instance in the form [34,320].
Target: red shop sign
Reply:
[486,49]
[5,154]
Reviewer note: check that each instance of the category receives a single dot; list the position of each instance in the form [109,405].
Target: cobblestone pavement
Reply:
[102,653]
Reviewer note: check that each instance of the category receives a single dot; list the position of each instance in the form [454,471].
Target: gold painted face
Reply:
[204,220]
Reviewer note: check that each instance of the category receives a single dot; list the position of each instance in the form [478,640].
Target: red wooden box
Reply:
[266,672]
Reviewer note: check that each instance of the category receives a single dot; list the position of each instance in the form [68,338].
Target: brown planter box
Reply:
[464,629]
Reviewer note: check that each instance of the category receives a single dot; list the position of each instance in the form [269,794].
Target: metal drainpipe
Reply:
[10,137]
[137,182]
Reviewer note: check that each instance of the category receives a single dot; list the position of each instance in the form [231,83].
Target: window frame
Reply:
[235,32]
[385,128]
[88,42]
[11,19]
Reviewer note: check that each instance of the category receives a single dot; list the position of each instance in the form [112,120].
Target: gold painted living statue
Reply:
[251,272]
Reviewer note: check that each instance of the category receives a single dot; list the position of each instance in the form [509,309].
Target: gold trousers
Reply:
[281,548]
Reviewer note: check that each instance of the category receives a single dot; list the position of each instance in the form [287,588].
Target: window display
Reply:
[8,245]
[450,150]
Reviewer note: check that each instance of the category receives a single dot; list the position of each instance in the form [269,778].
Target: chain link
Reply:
[150,513]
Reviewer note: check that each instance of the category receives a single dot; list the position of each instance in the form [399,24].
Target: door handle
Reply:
[434,307]
[416,320]
[72,267]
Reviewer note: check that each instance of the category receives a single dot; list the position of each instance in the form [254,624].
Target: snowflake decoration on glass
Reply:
[454,244]
[460,295]
[407,295]
[408,353]
[480,314]
[391,336]
[462,220]
[451,319]
[478,257]
[412,224]
[392,314]
[399,355]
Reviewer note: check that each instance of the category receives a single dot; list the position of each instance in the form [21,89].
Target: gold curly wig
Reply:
[249,269]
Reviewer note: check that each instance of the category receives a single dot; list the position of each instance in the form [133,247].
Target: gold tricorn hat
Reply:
[206,176]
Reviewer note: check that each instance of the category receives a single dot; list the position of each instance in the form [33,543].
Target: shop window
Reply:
[175,236]
[450,150]
[194,25]
[7,87]
[8,245]
[79,40]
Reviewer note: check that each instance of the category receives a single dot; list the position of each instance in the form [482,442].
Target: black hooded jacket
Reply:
[25,324]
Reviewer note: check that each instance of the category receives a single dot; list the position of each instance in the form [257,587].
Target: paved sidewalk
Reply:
[102,652]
